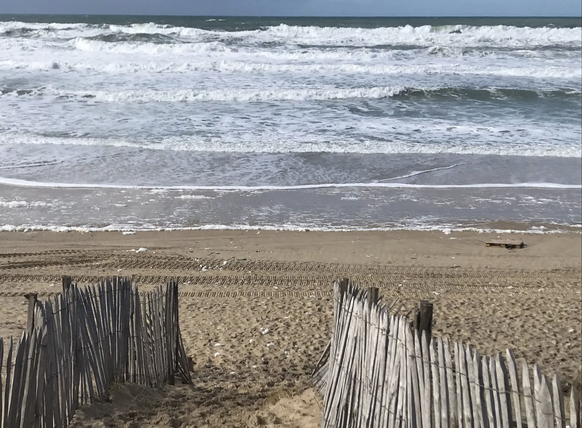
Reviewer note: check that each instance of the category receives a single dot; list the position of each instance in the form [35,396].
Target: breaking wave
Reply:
[276,94]
[426,35]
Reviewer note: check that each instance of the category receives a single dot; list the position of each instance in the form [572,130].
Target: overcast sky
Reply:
[299,7]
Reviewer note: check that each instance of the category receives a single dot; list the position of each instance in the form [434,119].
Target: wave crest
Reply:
[276,94]
[426,36]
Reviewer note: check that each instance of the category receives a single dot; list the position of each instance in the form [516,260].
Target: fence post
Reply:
[175,331]
[32,298]
[66,283]
[343,284]
[372,295]
[343,288]
[423,318]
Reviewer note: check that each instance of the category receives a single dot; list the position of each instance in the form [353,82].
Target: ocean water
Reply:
[112,123]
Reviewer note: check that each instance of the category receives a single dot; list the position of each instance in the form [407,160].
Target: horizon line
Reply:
[300,16]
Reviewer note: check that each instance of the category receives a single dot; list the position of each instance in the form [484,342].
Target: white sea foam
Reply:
[6,26]
[193,197]
[233,95]
[559,228]
[373,185]
[23,204]
[238,144]
[240,66]
[416,173]
[500,35]
[425,35]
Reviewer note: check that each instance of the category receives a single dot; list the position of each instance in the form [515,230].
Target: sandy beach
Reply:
[255,306]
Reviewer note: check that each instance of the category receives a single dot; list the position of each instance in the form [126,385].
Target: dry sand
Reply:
[235,285]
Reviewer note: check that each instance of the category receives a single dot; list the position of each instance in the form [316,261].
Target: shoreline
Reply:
[500,227]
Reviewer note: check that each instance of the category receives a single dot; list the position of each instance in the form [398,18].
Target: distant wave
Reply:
[459,35]
[276,94]
[375,185]
[132,38]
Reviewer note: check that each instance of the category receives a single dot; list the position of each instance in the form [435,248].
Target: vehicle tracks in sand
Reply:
[250,276]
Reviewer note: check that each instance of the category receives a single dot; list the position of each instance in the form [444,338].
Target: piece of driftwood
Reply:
[505,243]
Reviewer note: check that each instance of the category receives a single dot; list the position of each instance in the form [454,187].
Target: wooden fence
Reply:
[379,372]
[80,342]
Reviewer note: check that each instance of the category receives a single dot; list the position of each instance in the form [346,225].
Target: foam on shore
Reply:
[389,185]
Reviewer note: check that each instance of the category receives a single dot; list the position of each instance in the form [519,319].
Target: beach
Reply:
[237,285]
[258,160]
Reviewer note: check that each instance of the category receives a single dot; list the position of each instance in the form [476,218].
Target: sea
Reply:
[131,123]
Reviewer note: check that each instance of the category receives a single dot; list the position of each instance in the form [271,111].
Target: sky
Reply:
[298,7]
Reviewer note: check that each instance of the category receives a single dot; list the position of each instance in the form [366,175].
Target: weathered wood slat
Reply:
[496,392]
[443,380]
[462,372]
[40,409]
[379,402]
[8,383]
[544,415]
[453,383]
[436,416]
[489,408]
[528,397]
[392,396]
[512,368]
[1,390]
[355,367]
[77,304]
[15,399]
[426,404]
[402,385]
[146,344]
[377,349]
[574,408]
[28,399]
[478,397]
[414,384]
[52,402]
[66,341]
[504,402]
[558,402]
[453,407]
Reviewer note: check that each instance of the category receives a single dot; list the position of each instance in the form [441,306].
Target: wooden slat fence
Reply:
[80,342]
[379,372]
